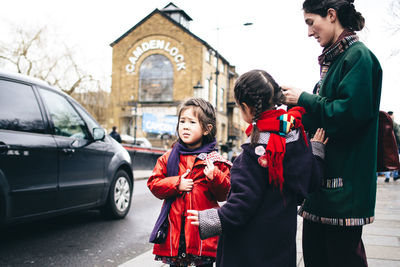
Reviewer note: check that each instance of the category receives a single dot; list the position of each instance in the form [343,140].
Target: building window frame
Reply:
[207,56]
[156,79]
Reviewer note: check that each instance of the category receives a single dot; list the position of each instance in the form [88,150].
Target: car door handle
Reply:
[68,151]
[3,148]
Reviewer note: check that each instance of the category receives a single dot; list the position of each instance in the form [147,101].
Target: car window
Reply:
[19,109]
[91,123]
[66,120]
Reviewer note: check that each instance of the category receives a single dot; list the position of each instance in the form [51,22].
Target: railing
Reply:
[143,158]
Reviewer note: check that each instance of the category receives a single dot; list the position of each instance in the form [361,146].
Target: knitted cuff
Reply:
[210,224]
[318,149]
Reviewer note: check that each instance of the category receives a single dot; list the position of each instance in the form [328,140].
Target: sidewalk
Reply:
[381,238]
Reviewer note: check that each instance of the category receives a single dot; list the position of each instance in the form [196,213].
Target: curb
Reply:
[141,174]
[145,259]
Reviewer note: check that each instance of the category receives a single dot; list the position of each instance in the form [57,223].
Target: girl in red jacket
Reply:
[195,176]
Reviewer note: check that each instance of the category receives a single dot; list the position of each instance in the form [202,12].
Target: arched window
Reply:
[156,79]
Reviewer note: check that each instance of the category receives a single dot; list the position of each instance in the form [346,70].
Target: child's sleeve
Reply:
[209,223]
[221,183]
[159,184]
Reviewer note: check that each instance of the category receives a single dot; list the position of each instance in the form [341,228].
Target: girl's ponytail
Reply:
[278,98]
[255,133]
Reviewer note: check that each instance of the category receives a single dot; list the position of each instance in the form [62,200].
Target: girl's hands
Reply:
[209,169]
[319,136]
[194,217]
[185,184]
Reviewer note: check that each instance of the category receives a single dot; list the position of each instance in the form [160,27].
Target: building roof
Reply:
[171,8]
[157,11]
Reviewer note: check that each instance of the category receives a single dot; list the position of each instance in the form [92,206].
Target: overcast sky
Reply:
[276,42]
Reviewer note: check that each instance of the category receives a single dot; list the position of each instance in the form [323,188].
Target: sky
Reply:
[276,42]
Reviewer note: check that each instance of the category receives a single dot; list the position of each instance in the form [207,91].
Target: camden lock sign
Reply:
[154,45]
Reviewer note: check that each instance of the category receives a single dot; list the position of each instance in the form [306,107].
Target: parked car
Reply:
[54,157]
[140,141]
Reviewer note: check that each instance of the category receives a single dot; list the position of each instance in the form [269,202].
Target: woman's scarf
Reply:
[278,123]
[180,149]
[329,54]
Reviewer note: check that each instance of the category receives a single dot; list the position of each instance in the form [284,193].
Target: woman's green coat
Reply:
[347,108]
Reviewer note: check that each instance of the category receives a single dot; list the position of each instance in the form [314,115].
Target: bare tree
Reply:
[37,53]
[393,24]
[31,52]
[96,103]
[394,12]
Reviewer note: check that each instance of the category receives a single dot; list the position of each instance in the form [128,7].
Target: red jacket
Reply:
[204,195]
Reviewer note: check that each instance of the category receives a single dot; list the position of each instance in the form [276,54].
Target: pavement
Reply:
[381,238]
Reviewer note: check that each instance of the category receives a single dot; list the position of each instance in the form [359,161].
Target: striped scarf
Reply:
[329,54]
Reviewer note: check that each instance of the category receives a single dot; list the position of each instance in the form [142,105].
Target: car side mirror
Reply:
[98,134]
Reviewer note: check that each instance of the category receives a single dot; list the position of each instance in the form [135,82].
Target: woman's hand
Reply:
[319,136]
[209,169]
[185,184]
[291,94]
[194,217]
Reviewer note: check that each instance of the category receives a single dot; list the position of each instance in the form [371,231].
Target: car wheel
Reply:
[119,197]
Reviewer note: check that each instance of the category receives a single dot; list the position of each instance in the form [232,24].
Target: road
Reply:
[84,238]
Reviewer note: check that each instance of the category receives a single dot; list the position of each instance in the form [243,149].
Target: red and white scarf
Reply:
[278,123]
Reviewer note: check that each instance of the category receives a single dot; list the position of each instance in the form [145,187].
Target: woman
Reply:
[346,104]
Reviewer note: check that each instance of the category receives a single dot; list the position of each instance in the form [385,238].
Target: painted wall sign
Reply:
[154,45]
[153,123]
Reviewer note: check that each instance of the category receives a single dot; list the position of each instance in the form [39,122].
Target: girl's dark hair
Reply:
[347,14]
[205,113]
[259,90]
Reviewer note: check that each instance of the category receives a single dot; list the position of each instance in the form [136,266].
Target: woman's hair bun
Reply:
[349,17]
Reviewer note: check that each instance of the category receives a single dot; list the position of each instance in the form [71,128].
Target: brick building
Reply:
[159,63]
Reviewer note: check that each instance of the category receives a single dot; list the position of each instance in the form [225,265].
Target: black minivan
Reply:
[54,157]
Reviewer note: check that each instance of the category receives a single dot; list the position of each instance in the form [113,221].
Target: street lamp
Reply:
[217,67]
[133,103]
[135,127]
[198,86]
